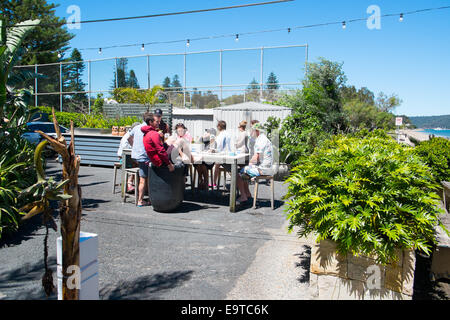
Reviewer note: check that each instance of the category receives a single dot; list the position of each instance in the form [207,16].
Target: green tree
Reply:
[42,44]
[120,79]
[176,83]
[363,95]
[73,82]
[388,103]
[166,83]
[272,82]
[132,80]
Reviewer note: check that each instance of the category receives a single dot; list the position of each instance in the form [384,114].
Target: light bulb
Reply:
[188,43]
[143,47]
[100,51]
[289,30]
[344,25]
[401,17]
[237,37]
[59,55]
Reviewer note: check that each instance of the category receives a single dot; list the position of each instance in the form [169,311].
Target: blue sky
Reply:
[408,58]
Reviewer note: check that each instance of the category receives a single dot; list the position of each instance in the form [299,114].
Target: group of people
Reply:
[152,143]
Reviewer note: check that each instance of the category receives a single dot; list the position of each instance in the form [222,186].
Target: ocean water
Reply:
[438,133]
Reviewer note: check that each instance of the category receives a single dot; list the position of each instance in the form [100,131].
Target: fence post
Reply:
[89,86]
[262,79]
[184,89]
[148,71]
[35,86]
[221,91]
[60,88]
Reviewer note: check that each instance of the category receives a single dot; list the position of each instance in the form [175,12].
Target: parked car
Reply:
[46,127]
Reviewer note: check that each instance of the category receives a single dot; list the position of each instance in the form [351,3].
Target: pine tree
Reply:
[132,80]
[121,74]
[272,82]
[53,40]
[176,83]
[253,85]
[73,82]
[166,83]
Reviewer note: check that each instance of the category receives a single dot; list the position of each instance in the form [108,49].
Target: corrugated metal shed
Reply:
[195,120]
[249,111]
[96,149]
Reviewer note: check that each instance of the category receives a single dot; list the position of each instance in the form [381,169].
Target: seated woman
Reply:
[223,141]
[203,168]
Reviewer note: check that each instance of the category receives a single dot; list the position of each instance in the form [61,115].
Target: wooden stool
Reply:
[272,186]
[135,173]
[224,178]
[117,165]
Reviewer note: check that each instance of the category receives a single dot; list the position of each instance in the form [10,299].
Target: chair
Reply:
[210,177]
[272,187]
[135,173]
[224,178]
[117,166]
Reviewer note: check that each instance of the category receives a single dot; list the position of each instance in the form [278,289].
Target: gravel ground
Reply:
[280,271]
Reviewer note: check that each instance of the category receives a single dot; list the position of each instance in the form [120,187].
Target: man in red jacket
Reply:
[154,146]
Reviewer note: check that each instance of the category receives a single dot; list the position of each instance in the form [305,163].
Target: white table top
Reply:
[219,157]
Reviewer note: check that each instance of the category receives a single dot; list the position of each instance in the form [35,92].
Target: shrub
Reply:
[436,153]
[371,196]
[80,120]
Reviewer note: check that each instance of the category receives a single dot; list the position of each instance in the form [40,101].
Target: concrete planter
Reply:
[346,277]
[89,289]
[283,172]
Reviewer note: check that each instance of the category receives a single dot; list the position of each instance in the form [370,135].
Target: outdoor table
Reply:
[221,158]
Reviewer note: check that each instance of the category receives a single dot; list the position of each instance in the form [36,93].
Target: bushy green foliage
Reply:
[96,121]
[98,104]
[371,196]
[362,115]
[133,95]
[436,153]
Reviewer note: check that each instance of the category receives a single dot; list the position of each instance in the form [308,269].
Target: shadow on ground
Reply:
[424,287]
[19,280]
[222,198]
[26,229]
[304,263]
[145,287]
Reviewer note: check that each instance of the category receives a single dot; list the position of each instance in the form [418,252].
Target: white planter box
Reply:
[88,266]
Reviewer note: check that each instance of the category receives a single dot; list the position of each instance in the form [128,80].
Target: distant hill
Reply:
[431,122]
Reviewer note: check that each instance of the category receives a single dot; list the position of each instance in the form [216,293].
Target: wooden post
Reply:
[233,186]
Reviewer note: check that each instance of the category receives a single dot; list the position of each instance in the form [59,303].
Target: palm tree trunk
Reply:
[71,209]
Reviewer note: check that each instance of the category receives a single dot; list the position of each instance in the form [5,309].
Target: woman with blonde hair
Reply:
[242,138]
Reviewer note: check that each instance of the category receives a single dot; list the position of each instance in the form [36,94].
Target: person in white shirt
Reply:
[223,143]
[125,144]
[242,138]
[260,163]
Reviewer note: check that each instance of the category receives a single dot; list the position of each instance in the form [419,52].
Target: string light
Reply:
[237,37]
[143,47]
[59,55]
[344,26]
[100,51]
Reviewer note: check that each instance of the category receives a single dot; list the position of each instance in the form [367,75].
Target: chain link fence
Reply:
[204,79]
